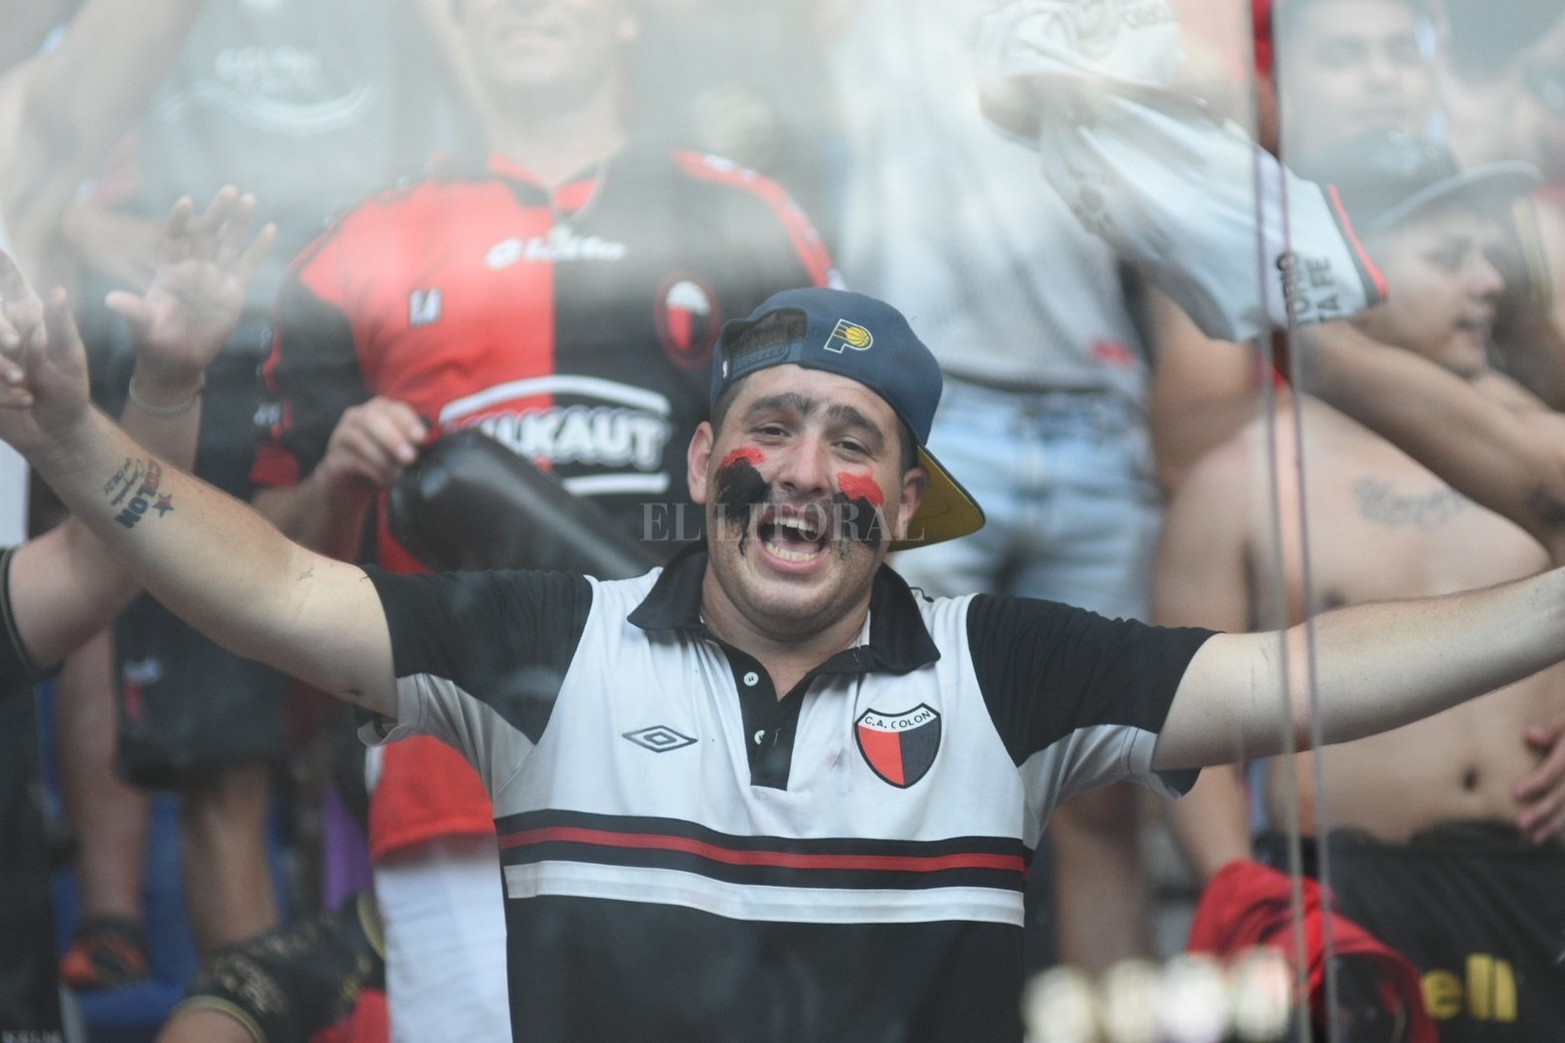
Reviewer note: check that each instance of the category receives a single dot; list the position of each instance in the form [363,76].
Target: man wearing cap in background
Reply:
[1502,86]
[1444,833]
[764,792]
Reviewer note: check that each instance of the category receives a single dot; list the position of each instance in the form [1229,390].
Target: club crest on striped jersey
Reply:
[899,747]
[688,318]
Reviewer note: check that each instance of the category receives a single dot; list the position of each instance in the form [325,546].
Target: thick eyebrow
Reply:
[782,402]
[852,418]
[840,413]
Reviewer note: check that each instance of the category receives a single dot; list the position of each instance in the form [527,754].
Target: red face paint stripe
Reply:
[861,487]
[781,859]
[755,456]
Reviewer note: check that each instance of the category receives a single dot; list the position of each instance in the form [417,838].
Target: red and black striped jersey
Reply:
[574,325]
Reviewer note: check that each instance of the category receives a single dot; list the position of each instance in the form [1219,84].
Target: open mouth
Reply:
[1383,115]
[1475,326]
[792,537]
[530,31]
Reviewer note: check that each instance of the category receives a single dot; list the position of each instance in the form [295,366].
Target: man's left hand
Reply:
[1541,791]
[198,291]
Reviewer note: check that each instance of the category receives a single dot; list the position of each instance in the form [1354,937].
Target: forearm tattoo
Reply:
[135,489]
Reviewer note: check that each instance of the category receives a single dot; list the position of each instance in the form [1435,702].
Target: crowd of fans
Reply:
[533,217]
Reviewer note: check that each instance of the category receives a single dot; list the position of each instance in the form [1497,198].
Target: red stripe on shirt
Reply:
[780,859]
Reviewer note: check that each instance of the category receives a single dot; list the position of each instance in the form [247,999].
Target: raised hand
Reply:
[21,329]
[198,290]
[43,365]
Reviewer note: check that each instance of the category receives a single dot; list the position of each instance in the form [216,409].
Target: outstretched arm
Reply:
[65,584]
[1377,667]
[208,557]
[1500,449]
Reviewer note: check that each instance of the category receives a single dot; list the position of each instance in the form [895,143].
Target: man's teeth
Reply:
[777,550]
[804,544]
[800,526]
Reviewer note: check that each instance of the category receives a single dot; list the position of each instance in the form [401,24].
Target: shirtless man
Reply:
[1435,805]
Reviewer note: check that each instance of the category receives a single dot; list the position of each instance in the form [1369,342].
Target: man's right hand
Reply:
[43,365]
[371,445]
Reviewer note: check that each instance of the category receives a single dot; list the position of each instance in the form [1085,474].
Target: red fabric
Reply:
[1261,25]
[368,1023]
[426,790]
[1248,904]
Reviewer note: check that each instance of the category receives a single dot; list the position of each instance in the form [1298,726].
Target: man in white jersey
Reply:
[766,792]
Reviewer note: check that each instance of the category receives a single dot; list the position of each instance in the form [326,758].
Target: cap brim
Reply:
[948,510]
[1496,182]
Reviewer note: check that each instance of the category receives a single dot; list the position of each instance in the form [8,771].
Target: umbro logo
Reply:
[659,738]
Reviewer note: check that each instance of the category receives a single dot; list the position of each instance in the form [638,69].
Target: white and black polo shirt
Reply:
[687,857]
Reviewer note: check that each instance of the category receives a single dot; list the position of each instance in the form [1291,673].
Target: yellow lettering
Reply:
[1504,991]
[1491,988]
[1442,995]
[1480,986]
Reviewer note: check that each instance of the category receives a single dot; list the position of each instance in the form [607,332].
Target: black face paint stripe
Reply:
[740,490]
[850,511]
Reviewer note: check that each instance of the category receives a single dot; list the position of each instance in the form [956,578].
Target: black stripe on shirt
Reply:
[848,863]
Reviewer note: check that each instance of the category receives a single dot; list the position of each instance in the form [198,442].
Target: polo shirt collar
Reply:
[899,642]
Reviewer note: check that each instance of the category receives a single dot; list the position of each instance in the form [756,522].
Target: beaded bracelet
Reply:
[176,409]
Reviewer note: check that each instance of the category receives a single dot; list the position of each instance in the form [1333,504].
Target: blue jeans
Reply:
[1065,480]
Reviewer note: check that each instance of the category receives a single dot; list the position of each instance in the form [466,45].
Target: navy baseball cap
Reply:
[869,341]
[1386,177]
